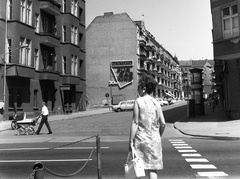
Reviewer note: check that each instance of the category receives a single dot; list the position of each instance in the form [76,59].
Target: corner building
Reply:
[118,51]
[52,67]
[226,46]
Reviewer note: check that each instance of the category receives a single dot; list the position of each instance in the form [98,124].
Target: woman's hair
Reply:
[147,81]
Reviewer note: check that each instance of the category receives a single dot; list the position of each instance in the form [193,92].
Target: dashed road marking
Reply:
[37,160]
[203,164]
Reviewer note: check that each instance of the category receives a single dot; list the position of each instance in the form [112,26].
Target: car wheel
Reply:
[119,110]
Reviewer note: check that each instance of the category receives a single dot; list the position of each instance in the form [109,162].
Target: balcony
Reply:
[148,47]
[50,6]
[17,70]
[49,39]
[49,74]
[70,80]
[142,42]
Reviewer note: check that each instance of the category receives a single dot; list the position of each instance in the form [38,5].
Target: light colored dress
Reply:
[147,141]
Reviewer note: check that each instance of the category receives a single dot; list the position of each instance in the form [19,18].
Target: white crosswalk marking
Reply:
[196,160]
[212,174]
[180,144]
[183,151]
[202,166]
[183,147]
[188,153]
[191,155]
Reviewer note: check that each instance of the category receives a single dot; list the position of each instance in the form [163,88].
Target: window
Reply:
[26,12]
[80,37]
[37,21]
[230,22]
[19,97]
[74,65]
[9,10]
[64,6]
[29,13]
[64,65]
[74,35]
[25,53]
[80,12]
[74,7]
[35,99]
[36,59]
[64,33]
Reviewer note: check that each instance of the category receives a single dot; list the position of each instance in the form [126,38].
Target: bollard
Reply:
[39,170]
[99,170]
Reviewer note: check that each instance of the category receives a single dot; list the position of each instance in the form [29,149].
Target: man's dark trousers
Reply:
[44,120]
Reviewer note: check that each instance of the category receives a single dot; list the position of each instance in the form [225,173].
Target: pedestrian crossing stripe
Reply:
[196,160]
[172,140]
[180,144]
[212,174]
[183,147]
[184,151]
[191,155]
[203,166]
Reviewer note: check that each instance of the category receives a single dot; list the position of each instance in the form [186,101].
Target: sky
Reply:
[182,27]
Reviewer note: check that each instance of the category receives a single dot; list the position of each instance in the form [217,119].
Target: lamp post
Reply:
[5,73]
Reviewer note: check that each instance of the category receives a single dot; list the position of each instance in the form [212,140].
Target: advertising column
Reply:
[197,90]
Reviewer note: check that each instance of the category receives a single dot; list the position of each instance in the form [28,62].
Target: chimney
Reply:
[108,13]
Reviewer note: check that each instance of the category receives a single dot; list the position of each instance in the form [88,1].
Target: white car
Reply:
[124,105]
[162,102]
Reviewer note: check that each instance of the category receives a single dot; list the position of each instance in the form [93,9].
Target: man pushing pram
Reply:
[26,125]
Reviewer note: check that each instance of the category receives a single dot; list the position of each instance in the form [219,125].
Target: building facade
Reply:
[208,76]
[226,46]
[118,51]
[43,57]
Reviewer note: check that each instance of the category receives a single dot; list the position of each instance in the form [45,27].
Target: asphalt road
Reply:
[218,156]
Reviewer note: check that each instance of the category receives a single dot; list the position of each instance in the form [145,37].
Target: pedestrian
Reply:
[213,104]
[147,127]
[44,119]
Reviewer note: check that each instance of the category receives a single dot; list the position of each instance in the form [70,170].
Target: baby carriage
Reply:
[26,126]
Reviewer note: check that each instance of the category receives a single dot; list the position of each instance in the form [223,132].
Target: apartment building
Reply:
[208,76]
[226,46]
[118,50]
[43,57]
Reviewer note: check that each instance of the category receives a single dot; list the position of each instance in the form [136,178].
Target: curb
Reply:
[206,136]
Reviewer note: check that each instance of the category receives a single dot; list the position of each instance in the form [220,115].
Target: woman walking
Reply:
[147,127]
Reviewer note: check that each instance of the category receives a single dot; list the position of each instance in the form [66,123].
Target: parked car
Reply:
[162,102]
[123,106]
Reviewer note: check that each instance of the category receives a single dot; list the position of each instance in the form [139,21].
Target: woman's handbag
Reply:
[134,168]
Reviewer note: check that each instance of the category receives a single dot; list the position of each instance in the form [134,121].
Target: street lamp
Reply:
[5,72]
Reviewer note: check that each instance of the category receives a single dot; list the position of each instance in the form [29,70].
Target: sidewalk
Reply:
[6,125]
[212,124]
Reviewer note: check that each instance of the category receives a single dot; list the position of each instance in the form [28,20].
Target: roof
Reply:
[196,63]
